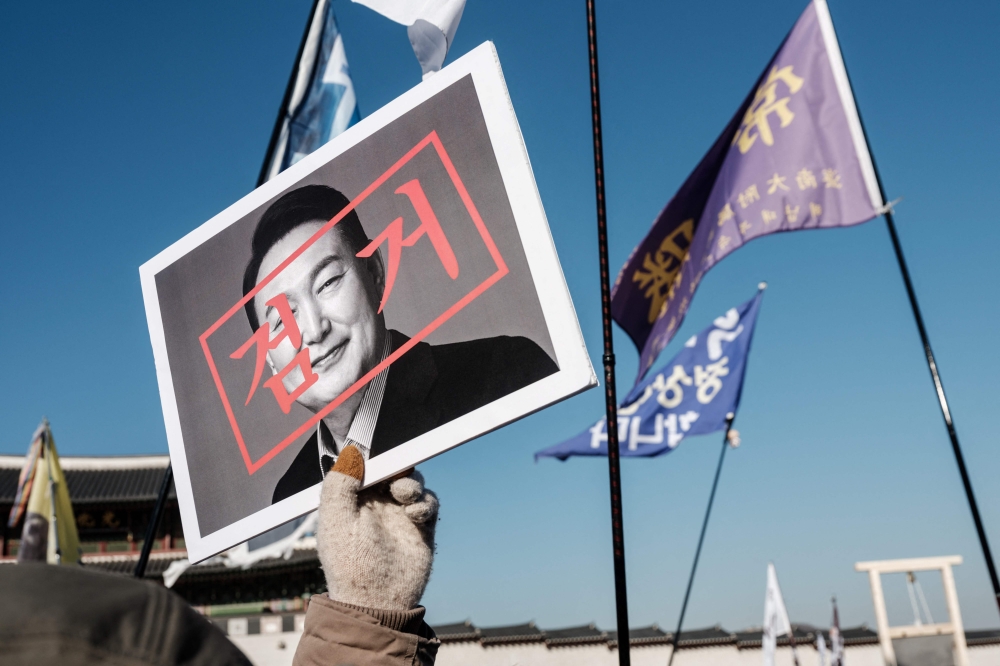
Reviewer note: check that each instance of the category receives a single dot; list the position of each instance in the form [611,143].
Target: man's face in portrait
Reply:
[334,296]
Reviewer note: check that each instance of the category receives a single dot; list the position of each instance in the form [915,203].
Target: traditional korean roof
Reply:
[457,632]
[582,635]
[124,563]
[856,636]
[8,484]
[805,634]
[97,479]
[982,637]
[590,634]
[651,635]
[515,633]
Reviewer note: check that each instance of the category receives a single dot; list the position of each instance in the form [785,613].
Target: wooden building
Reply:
[113,500]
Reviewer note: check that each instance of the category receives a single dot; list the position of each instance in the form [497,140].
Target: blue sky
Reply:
[126,125]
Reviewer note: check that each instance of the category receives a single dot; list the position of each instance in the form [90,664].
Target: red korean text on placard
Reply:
[396,242]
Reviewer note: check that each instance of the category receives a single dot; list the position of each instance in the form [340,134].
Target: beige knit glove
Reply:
[376,546]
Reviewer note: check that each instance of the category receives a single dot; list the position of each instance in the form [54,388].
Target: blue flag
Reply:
[690,395]
[323,103]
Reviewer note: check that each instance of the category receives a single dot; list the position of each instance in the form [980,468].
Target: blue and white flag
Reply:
[690,395]
[322,104]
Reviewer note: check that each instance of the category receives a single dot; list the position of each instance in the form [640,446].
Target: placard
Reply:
[398,289]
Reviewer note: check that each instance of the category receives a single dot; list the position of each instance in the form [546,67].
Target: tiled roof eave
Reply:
[646,640]
[705,642]
[510,640]
[459,638]
[981,637]
[571,642]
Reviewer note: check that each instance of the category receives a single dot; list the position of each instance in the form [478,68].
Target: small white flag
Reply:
[775,616]
[821,648]
[431,26]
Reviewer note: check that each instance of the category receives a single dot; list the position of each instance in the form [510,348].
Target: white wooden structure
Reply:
[952,627]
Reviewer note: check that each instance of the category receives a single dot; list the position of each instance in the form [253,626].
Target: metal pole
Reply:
[935,377]
[154,522]
[47,449]
[942,399]
[701,538]
[791,640]
[610,399]
[285,101]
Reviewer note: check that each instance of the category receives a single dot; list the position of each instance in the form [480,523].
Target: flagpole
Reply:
[942,399]
[791,640]
[932,365]
[154,522]
[52,495]
[701,538]
[938,384]
[282,112]
[610,399]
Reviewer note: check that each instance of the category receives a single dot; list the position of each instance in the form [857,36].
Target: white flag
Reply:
[431,26]
[775,616]
[821,648]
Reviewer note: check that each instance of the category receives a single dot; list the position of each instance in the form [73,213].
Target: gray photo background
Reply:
[196,290]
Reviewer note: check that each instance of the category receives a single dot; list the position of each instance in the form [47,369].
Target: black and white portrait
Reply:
[397,290]
[333,296]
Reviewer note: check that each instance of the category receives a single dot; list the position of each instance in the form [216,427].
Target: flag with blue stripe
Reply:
[323,103]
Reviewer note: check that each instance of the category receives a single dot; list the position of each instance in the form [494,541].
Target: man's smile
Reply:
[331,356]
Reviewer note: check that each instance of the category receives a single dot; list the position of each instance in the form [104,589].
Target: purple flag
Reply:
[793,157]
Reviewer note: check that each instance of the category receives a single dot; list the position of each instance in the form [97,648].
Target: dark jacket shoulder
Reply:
[476,372]
[431,385]
[73,615]
[304,472]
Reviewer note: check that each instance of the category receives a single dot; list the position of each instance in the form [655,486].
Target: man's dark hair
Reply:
[311,203]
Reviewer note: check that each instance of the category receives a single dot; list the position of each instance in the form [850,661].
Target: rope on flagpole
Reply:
[610,399]
[701,538]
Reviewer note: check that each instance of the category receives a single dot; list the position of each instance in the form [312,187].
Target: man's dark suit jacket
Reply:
[428,386]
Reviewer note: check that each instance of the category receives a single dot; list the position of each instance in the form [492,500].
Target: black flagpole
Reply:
[154,522]
[701,538]
[285,101]
[936,378]
[942,399]
[932,366]
[610,399]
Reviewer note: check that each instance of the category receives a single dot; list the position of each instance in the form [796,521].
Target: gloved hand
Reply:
[376,546]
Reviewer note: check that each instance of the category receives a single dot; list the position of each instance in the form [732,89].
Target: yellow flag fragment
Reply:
[49,533]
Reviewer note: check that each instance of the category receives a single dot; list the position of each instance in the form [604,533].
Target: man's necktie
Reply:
[326,462]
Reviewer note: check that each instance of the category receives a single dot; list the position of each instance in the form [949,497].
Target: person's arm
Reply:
[376,547]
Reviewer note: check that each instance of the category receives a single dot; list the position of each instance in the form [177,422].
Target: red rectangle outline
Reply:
[502,270]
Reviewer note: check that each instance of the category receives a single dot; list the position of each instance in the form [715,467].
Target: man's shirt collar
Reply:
[363,426]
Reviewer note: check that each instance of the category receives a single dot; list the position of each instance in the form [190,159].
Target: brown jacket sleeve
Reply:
[339,634]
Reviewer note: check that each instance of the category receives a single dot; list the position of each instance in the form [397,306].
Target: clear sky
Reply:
[125,125]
